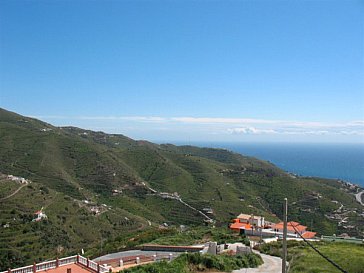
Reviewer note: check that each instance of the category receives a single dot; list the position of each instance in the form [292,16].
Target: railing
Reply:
[151,247]
[25,269]
[45,266]
[342,239]
[82,260]
[67,260]
[92,265]
[60,262]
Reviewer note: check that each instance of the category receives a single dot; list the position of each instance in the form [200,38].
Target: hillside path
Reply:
[359,198]
[15,192]
[271,264]
[181,201]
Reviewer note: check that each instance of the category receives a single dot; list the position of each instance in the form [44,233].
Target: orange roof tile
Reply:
[308,234]
[291,223]
[291,226]
[237,225]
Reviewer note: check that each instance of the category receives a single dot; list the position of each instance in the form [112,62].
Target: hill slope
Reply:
[96,186]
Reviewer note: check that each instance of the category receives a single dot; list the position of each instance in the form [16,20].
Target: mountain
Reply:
[95,187]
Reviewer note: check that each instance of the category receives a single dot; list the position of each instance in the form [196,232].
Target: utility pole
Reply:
[284,255]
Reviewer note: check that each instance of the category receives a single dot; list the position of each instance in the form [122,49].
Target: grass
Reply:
[305,260]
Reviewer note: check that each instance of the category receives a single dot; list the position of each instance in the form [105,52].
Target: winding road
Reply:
[15,192]
[358,197]
[181,201]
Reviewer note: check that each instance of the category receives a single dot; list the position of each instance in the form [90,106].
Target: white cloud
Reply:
[317,132]
[202,120]
[228,125]
[250,130]
[359,133]
[126,118]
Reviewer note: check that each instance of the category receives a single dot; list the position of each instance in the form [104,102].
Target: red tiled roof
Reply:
[308,234]
[238,226]
[291,226]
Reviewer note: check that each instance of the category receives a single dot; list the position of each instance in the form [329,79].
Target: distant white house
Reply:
[17,179]
[39,215]
[95,209]
[46,129]
[208,210]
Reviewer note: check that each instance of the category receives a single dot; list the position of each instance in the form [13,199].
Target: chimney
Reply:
[69,270]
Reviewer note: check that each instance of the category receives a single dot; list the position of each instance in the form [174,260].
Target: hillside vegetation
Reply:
[304,259]
[195,262]
[96,187]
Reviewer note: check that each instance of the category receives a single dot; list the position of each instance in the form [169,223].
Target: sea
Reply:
[327,160]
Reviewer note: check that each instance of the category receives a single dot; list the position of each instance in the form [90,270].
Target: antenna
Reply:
[284,255]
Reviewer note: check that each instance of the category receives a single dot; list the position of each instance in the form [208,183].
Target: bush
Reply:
[193,262]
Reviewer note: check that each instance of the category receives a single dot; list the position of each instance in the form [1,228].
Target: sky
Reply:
[282,70]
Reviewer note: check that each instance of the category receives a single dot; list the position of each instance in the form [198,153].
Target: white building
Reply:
[257,221]
[39,216]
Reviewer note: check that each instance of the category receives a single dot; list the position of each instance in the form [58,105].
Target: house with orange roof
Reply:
[247,221]
[251,219]
[294,228]
[237,225]
[255,226]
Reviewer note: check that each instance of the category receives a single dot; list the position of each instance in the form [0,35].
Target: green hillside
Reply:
[302,258]
[74,172]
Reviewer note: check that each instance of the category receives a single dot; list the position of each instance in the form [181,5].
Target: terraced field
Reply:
[96,190]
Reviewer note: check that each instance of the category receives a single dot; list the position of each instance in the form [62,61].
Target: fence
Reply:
[77,259]
[149,247]
[342,239]
[138,259]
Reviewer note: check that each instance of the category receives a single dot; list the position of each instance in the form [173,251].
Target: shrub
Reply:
[198,262]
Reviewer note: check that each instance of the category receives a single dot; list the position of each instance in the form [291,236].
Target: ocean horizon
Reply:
[327,160]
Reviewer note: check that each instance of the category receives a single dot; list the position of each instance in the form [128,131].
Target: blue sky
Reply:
[188,70]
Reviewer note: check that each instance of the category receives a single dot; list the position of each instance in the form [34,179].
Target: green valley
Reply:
[97,189]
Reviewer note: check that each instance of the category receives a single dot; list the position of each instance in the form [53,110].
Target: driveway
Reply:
[271,265]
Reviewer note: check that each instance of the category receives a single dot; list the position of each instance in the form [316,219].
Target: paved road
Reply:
[358,197]
[271,265]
